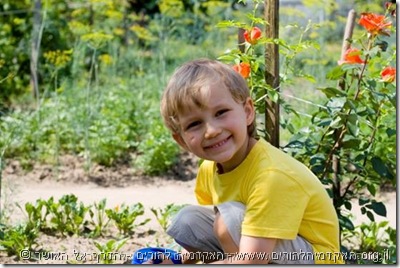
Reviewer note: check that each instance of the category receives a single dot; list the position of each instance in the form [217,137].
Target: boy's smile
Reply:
[215,127]
[217,145]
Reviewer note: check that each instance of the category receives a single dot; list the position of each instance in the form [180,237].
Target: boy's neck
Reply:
[250,144]
[220,168]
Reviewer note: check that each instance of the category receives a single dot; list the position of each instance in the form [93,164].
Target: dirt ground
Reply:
[121,185]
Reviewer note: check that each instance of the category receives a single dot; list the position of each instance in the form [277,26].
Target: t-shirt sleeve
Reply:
[203,184]
[275,206]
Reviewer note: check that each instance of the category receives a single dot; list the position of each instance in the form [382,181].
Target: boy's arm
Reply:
[252,250]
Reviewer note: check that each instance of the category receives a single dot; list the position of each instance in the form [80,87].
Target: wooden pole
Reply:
[37,21]
[348,34]
[241,40]
[271,13]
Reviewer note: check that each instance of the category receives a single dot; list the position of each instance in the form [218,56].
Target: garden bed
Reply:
[118,186]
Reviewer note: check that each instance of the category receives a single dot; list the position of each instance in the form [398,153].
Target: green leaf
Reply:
[347,205]
[225,24]
[363,200]
[353,128]
[346,223]
[351,143]
[370,216]
[390,132]
[379,166]
[337,123]
[310,78]
[363,210]
[331,92]
[335,73]
[227,58]
[295,144]
[336,103]
[371,188]
[378,207]
[273,95]
[353,118]
[323,122]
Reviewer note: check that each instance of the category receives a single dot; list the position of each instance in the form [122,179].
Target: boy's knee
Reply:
[223,235]
[187,217]
[192,228]
[221,230]
[231,218]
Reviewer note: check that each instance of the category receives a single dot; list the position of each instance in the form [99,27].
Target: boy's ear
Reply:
[249,110]
[178,138]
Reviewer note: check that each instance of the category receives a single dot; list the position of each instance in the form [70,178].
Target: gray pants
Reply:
[193,227]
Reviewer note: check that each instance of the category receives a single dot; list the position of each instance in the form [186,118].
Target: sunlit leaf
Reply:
[335,73]
[331,92]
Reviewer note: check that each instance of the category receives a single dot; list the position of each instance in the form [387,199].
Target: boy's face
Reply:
[218,130]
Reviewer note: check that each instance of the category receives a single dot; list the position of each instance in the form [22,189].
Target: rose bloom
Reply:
[253,35]
[375,24]
[352,56]
[243,68]
[388,74]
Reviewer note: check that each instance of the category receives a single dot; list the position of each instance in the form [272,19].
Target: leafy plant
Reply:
[342,141]
[98,218]
[21,237]
[37,214]
[67,215]
[157,151]
[165,215]
[124,217]
[376,243]
[109,251]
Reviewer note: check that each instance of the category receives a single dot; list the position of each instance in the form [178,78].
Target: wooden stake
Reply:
[271,13]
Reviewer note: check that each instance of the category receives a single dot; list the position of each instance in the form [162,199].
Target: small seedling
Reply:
[37,214]
[98,218]
[164,216]
[67,215]
[19,238]
[124,217]
[109,251]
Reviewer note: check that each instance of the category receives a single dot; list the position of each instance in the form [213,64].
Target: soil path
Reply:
[158,194]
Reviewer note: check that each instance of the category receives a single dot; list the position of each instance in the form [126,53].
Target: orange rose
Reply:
[388,74]
[352,56]
[253,35]
[243,68]
[375,24]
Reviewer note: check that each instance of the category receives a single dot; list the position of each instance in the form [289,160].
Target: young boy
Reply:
[267,206]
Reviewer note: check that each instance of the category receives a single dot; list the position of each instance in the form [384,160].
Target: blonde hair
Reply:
[184,88]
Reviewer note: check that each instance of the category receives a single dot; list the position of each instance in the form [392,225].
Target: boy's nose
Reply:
[212,130]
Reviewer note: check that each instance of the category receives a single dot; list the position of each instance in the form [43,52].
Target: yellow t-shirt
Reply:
[283,198]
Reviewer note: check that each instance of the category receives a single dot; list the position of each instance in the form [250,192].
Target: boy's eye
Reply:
[221,112]
[192,125]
